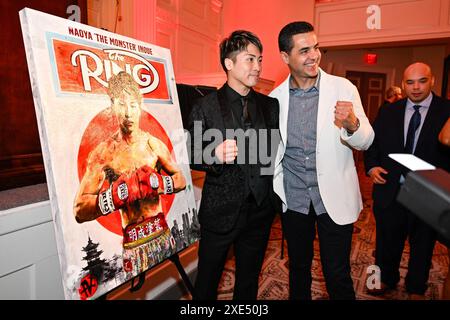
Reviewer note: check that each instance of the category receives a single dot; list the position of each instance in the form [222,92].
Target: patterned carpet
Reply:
[273,283]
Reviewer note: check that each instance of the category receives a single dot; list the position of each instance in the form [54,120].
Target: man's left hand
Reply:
[345,117]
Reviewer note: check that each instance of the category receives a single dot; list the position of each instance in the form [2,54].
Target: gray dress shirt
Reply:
[299,162]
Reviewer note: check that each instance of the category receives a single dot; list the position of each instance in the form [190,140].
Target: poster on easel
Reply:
[114,152]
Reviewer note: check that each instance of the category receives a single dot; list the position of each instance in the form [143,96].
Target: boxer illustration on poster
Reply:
[116,164]
[123,174]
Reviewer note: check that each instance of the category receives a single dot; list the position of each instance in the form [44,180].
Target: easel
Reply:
[140,278]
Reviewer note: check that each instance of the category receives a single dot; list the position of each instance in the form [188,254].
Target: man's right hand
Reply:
[227,151]
[375,174]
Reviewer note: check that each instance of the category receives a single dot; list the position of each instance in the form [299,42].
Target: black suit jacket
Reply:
[224,188]
[389,138]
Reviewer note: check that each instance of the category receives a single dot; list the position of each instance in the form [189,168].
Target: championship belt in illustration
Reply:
[146,243]
[137,234]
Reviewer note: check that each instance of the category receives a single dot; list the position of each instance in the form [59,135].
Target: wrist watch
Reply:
[357,127]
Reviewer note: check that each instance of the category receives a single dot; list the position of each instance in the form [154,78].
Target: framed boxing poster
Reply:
[114,151]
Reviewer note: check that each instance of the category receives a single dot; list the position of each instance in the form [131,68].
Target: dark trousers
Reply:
[394,225]
[249,239]
[335,246]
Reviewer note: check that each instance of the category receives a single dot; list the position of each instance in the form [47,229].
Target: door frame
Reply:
[390,72]
[446,78]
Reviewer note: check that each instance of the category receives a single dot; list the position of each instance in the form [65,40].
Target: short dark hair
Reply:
[235,43]
[285,42]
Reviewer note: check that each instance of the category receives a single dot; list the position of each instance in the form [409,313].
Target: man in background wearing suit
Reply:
[393,94]
[410,125]
[238,203]
[321,121]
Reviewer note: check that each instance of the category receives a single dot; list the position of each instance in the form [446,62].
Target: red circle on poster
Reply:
[88,287]
[100,129]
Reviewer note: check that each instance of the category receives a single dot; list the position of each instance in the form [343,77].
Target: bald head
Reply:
[417,81]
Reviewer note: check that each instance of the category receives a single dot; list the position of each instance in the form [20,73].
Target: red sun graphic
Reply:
[101,128]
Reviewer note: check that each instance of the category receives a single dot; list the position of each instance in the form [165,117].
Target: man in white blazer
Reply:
[321,121]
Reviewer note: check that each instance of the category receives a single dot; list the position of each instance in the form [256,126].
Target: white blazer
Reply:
[336,172]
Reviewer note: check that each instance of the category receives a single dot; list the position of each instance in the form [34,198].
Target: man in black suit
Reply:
[238,203]
[410,125]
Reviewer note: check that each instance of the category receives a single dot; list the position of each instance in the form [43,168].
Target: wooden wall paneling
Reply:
[168,5]
[215,16]
[194,51]
[193,15]
[215,79]
[21,161]
[200,31]
[214,58]
[144,20]
[102,14]
[445,12]
[344,22]
[166,36]
[131,18]
[167,31]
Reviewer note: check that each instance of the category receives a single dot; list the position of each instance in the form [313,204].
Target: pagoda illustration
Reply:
[95,265]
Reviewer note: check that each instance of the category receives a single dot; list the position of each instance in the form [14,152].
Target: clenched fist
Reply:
[227,151]
[143,183]
[345,117]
